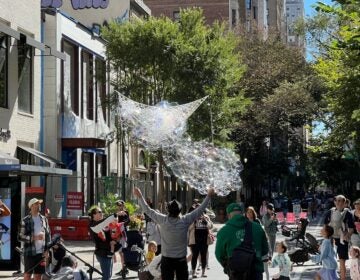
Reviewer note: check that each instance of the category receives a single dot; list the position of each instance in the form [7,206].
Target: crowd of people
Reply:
[249,234]
[340,232]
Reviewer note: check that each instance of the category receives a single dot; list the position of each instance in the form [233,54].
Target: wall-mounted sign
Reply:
[5,134]
[76,4]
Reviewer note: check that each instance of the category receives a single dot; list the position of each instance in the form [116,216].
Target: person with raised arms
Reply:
[173,229]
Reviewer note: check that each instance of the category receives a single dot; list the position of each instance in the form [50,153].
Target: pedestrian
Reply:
[155,268]
[355,237]
[282,260]
[153,234]
[174,229]
[35,233]
[327,256]
[341,220]
[263,208]
[123,217]
[354,263]
[270,223]
[314,207]
[69,270]
[102,252]
[199,242]
[233,234]
[150,255]
[251,215]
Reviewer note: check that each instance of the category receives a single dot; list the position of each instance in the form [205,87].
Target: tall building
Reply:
[294,12]
[222,10]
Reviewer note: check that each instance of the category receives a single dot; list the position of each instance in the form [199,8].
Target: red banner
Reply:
[74,200]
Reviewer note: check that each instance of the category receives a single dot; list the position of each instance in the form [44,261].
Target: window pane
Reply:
[87,80]
[70,89]
[3,71]
[101,84]
[25,57]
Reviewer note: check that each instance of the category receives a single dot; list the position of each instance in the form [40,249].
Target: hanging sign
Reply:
[76,4]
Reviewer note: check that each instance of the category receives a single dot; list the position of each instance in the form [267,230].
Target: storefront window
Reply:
[3,70]
[25,76]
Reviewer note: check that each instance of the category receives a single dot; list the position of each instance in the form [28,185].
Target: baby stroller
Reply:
[297,234]
[309,246]
[134,257]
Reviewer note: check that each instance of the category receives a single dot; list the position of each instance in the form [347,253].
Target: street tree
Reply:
[284,93]
[335,32]
[158,59]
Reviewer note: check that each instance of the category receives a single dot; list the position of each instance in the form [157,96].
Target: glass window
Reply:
[233,17]
[70,85]
[4,44]
[176,15]
[101,84]
[25,76]
[248,4]
[87,85]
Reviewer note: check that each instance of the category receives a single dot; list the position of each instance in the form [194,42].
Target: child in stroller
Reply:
[134,257]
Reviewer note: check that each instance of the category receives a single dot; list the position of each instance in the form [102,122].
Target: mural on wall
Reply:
[76,4]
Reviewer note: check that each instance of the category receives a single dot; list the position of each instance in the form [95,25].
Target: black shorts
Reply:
[342,249]
[34,264]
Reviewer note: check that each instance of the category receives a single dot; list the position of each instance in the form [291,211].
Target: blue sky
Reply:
[308,3]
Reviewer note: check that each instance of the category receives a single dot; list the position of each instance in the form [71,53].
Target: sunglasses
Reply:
[98,212]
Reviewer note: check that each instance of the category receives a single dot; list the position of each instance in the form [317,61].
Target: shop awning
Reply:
[9,31]
[54,163]
[34,170]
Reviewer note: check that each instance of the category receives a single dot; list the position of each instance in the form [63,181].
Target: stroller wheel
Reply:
[124,272]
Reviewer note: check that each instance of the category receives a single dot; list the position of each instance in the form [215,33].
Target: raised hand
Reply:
[137,192]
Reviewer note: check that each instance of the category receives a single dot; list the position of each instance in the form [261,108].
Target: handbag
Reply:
[210,238]
[145,275]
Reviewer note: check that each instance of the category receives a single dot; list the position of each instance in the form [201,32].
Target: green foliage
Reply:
[339,66]
[108,204]
[180,61]
[131,207]
[284,94]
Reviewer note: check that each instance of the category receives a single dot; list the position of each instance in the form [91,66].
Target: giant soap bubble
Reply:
[202,165]
[155,127]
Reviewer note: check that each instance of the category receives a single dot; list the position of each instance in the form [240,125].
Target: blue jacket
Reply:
[327,255]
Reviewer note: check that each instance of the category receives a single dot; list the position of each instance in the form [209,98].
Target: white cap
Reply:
[33,201]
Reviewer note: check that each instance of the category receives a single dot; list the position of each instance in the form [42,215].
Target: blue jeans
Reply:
[106,265]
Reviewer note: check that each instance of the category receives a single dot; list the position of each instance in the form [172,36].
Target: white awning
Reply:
[42,156]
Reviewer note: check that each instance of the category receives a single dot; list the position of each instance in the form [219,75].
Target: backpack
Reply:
[241,264]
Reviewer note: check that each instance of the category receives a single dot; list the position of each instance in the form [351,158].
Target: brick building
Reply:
[213,9]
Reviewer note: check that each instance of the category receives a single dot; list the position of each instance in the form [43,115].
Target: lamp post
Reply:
[267,143]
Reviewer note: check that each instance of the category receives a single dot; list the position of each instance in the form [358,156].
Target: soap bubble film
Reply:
[155,127]
[163,127]
[202,165]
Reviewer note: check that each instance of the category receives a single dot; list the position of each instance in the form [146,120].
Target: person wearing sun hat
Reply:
[35,233]
[355,237]
[232,234]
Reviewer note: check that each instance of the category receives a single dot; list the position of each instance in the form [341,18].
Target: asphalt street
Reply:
[84,250]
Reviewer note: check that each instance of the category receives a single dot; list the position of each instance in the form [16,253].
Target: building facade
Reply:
[213,9]
[294,12]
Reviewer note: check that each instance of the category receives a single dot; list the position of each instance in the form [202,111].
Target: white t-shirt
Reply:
[38,228]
